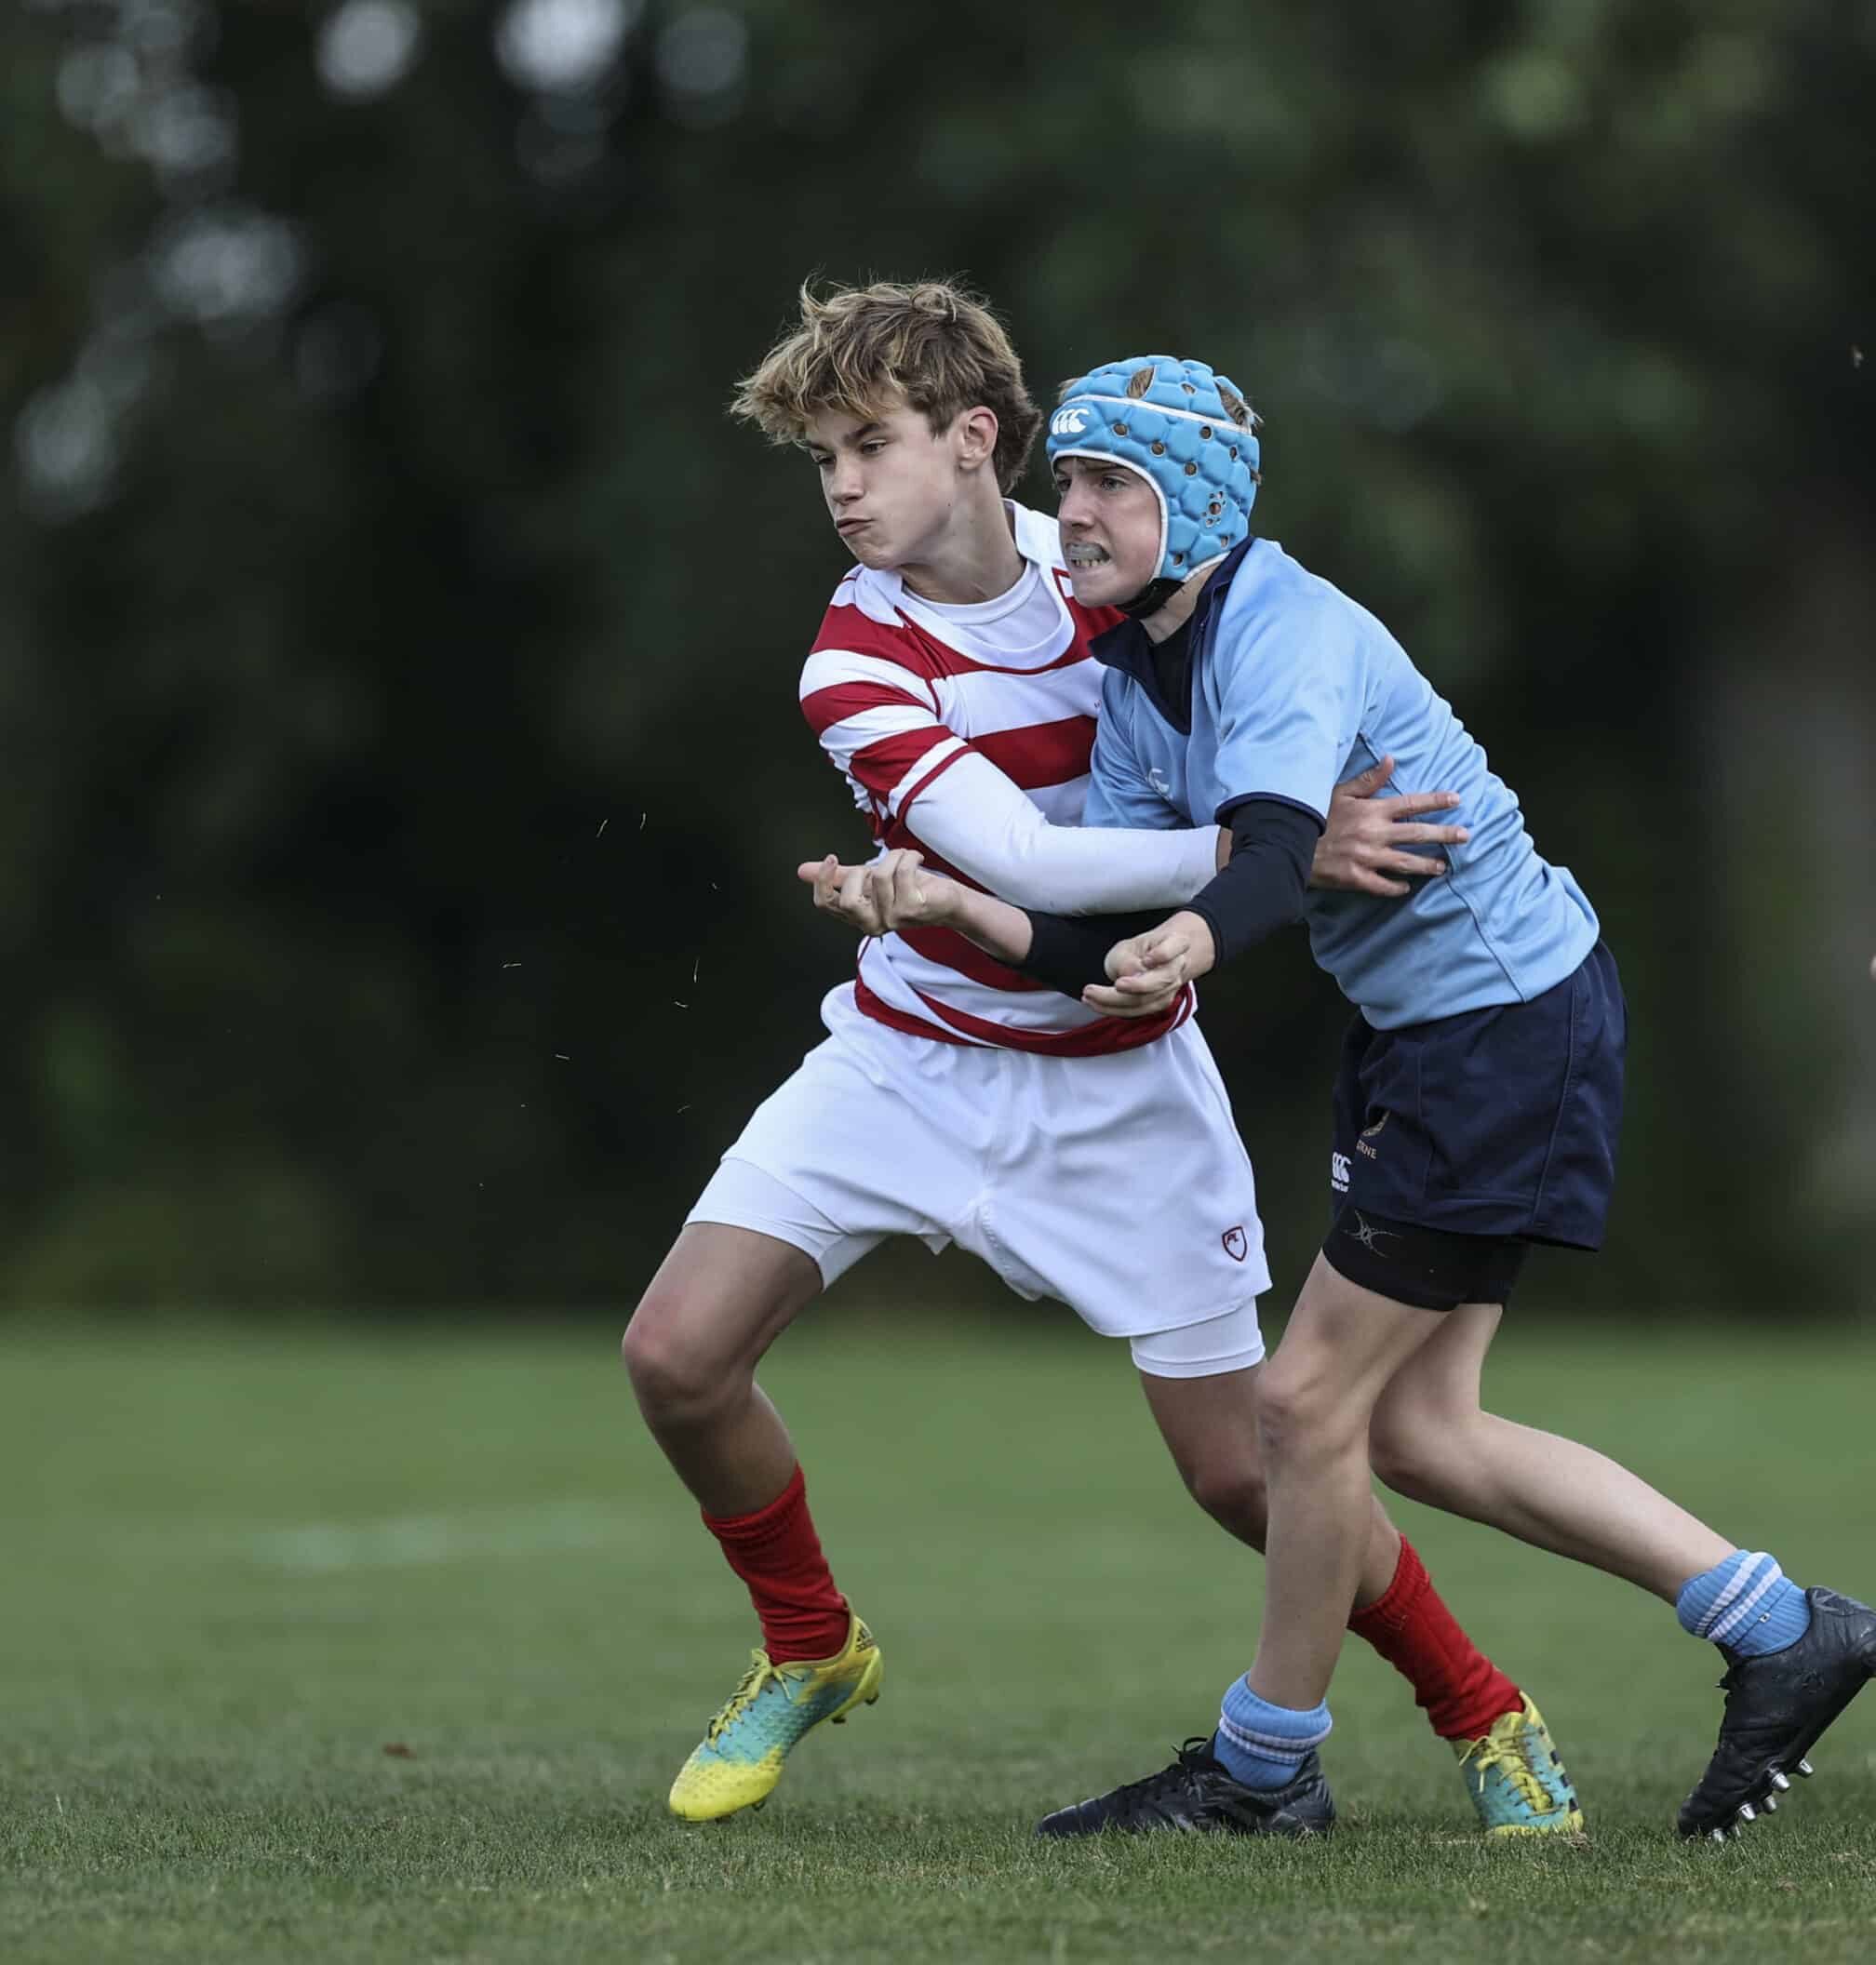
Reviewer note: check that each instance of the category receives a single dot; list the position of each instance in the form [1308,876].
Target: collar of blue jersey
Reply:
[1127,646]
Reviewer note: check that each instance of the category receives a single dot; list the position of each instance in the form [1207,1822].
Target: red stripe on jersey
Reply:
[826,707]
[880,766]
[1041,753]
[950,950]
[907,646]
[930,779]
[1088,1040]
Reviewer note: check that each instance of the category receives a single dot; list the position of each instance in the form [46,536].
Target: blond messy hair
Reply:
[859,349]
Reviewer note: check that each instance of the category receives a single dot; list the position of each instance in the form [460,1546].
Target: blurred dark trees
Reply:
[398,646]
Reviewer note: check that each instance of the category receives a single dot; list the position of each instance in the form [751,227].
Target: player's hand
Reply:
[1147,972]
[1361,848]
[906,895]
[890,892]
[842,891]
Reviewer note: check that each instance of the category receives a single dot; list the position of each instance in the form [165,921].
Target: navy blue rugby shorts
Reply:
[1496,1122]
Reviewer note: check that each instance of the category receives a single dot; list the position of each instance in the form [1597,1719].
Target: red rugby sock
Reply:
[1461,1690]
[778,1555]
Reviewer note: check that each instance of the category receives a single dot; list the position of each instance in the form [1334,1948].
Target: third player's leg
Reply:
[1431,1442]
[1210,1427]
[720,1298]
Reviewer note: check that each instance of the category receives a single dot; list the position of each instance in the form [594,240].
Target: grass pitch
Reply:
[352,1646]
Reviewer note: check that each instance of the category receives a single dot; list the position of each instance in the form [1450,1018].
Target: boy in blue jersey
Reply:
[1476,1111]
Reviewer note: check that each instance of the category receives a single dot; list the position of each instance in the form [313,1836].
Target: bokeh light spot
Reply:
[366,47]
[563,46]
[703,56]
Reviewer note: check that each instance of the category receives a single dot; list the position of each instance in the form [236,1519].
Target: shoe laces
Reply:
[1515,1757]
[748,1690]
[1187,1762]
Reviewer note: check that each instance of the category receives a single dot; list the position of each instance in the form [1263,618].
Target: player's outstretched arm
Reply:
[979,820]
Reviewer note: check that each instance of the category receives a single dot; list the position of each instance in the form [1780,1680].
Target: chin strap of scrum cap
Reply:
[1150,598]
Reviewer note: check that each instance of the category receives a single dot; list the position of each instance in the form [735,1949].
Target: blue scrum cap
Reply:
[1177,423]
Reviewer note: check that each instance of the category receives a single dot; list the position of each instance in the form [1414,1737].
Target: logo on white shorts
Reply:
[1338,1172]
[1068,423]
[1237,1244]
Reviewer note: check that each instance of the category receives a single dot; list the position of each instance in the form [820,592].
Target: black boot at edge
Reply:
[1778,1707]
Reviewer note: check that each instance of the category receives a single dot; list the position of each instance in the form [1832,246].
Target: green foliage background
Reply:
[397,645]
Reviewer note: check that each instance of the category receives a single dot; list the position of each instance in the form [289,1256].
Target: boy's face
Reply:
[1111,528]
[891,484]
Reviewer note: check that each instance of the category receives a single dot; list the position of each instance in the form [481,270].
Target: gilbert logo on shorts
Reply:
[1237,1244]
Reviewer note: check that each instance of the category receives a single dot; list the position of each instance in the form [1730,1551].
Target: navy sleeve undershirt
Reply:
[1260,890]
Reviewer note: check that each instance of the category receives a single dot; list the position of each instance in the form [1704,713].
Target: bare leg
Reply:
[721,1298]
[1341,1346]
[1430,1441]
[1210,1427]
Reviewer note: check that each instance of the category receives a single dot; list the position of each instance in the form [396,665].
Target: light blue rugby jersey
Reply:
[1295,689]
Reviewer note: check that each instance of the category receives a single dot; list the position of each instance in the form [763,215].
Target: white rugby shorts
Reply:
[1117,1183]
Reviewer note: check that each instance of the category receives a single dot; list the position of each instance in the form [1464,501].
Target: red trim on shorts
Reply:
[1101,1038]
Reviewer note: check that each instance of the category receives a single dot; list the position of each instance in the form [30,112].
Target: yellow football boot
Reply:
[1515,1776]
[739,1759]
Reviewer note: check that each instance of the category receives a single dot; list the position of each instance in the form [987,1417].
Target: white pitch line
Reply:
[409,1541]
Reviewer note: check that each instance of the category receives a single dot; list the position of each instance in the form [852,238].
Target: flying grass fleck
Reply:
[603,824]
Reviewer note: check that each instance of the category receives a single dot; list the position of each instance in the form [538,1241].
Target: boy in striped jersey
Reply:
[958,1100]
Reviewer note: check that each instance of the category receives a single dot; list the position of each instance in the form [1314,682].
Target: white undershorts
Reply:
[1117,1183]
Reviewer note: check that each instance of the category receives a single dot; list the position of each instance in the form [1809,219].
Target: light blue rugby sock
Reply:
[1745,1603]
[1262,1745]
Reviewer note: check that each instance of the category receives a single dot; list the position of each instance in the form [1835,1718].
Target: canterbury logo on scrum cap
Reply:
[1070,422]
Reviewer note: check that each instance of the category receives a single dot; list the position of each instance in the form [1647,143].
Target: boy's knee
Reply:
[1411,1446]
[673,1374]
[1301,1411]
[1230,1489]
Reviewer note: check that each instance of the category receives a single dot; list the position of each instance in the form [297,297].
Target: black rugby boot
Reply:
[1195,1796]
[1777,1707]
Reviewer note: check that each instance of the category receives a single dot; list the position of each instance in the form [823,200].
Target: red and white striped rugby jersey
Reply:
[899,693]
